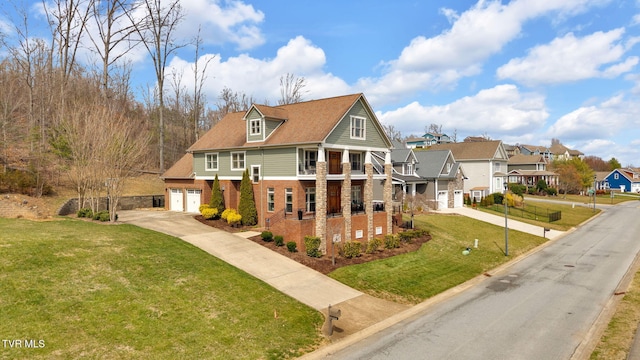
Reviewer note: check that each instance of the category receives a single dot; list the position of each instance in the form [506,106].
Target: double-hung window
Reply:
[271,199]
[288,200]
[310,157]
[211,162]
[310,195]
[356,161]
[255,173]
[255,128]
[237,161]
[356,194]
[358,128]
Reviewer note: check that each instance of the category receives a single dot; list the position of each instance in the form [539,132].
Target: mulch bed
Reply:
[325,264]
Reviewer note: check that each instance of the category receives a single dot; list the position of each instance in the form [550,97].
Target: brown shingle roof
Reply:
[521,159]
[182,169]
[479,150]
[306,122]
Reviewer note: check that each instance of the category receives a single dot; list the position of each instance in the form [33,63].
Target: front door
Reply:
[335,158]
[333,198]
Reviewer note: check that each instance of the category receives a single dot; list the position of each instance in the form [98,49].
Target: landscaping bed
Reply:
[323,264]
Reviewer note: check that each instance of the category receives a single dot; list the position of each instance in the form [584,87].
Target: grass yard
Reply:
[571,215]
[439,264]
[618,337]
[88,290]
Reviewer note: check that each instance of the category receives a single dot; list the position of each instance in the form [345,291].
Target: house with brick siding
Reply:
[310,164]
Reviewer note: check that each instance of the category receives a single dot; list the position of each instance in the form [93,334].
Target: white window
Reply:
[211,161]
[409,169]
[288,200]
[356,194]
[271,198]
[310,157]
[356,161]
[237,161]
[358,128]
[255,173]
[255,128]
[616,176]
[310,195]
[496,166]
[448,167]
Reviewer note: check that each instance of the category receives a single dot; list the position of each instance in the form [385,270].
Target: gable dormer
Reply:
[261,121]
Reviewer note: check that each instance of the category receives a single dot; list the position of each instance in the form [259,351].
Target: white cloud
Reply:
[261,78]
[501,110]
[439,62]
[605,120]
[570,58]
[235,22]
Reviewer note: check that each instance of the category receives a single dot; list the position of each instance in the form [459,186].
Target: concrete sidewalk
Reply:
[499,221]
[292,278]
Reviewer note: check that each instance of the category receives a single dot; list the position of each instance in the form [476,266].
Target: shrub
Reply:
[373,245]
[202,207]
[517,189]
[279,240]
[234,218]
[226,212]
[292,246]
[101,216]
[498,198]
[351,249]
[391,242]
[312,244]
[209,213]
[552,192]
[247,205]
[85,213]
[217,200]
[267,236]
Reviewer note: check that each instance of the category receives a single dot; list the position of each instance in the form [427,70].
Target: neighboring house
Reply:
[310,164]
[484,164]
[426,179]
[427,140]
[529,169]
[444,176]
[561,152]
[624,180]
[536,150]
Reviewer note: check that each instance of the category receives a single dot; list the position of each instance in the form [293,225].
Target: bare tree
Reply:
[291,89]
[198,82]
[393,133]
[433,129]
[157,31]
[114,36]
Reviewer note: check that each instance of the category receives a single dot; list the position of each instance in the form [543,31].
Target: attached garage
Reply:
[176,200]
[458,199]
[193,200]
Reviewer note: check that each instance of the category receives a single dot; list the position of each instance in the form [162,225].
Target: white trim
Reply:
[206,162]
[363,129]
[244,160]
[251,174]
[271,191]
[251,122]
[288,191]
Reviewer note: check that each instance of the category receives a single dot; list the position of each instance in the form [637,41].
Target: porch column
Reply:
[368,194]
[321,199]
[346,194]
[388,192]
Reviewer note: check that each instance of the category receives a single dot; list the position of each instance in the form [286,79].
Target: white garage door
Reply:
[458,199]
[443,199]
[193,200]
[176,200]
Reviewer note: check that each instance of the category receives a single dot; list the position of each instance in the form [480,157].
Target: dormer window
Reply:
[358,128]
[409,169]
[254,127]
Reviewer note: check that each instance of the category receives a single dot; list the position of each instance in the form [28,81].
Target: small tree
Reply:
[217,201]
[247,205]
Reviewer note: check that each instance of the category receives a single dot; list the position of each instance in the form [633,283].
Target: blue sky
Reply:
[522,71]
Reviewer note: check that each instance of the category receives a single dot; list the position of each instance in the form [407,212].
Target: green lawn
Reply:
[118,291]
[572,216]
[439,264]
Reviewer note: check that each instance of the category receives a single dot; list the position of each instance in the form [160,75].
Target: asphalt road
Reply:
[542,307]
